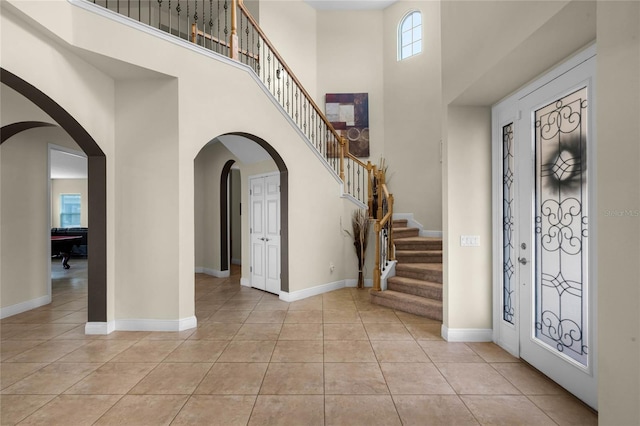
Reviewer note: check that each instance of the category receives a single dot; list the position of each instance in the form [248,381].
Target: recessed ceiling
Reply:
[65,165]
[349,4]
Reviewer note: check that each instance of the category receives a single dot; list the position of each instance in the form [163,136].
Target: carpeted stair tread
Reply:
[409,303]
[405,232]
[419,256]
[400,223]
[427,289]
[420,271]
[418,243]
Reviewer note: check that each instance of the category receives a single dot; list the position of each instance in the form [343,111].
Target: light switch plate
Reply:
[470,240]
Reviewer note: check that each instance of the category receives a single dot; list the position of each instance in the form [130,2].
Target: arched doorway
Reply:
[97,259]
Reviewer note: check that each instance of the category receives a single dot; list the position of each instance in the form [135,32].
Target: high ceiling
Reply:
[349,4]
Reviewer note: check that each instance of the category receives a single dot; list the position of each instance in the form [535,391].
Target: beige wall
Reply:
[413,115]
[618,190]
[69,186]
[350,60]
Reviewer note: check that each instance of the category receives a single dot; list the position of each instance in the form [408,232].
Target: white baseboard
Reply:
[245,282]
[313,291]
[412,223]
[236,261]
[353,282]
[140,325]
[99,327]
[212,272]
[21,307]
[389,272]
[467,334]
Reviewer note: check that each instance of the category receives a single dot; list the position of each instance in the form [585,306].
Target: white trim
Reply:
[312,291]
[99,327]
[388,273]
[246,282]
[353,283]
[156,325]
[467,334]
[412,223]
[213,272]
[27,305]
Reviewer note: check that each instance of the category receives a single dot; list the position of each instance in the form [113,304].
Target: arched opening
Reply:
[216,163]
[97,256]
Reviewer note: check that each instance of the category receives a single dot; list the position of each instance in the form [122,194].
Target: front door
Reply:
[547,304]
[264,194]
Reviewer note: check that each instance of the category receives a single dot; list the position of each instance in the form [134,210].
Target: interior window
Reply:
[410,35]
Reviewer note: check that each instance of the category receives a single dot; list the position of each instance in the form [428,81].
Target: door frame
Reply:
[504,112]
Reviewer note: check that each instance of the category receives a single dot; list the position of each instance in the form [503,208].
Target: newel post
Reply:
[233,38]
[343,143]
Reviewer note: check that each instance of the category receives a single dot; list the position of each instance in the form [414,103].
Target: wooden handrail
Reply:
[195,32]
[288,70]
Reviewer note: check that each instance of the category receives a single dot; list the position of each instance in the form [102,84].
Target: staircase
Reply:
[417,286]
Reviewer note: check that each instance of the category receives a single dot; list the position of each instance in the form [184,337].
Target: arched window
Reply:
[410,35]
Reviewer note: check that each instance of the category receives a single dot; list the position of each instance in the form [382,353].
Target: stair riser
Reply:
[434,276]
[426,292]
[419,258]
[431,312]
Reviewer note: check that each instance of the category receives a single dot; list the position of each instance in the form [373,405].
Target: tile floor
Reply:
[332,359]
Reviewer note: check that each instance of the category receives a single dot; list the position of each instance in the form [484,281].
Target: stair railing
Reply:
[383,227]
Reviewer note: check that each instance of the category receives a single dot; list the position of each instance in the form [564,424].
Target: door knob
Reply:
[522,260]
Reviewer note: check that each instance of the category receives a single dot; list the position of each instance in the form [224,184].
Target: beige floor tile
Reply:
[72,410]
[258,331]
[345,332]
[379,317]
[113,378]
[565,410]
[45,331]
[398,351]
[409,378]
[298,351]
[72,318]
[348,351]
[239,305]
[216,410]
[233,379]
[126,335]
[308,317]
[52,379]
[170,378]
[11,348]
[301,332]
[527,380]
[272,305]
[441,351]
[234,316]
[313,303]
[49,351]
[248,351]
[362,410]
[197,351]
[476,379]
[77,333]
[505,410]
[408,318]
[13,372]
[169,335]
[143,410]
[266,317]
[97,351]
[437,410]
[343,305]
[8,330]
[491,352]
[421,331]
[215,331]
[147,351]
[354,378]
[331,316]
[293,378]
[378,331]
[14,408]
[288,410]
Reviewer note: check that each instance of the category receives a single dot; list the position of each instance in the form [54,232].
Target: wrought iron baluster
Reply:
[226,25]
[211,23]
[159,14]
[178,12]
